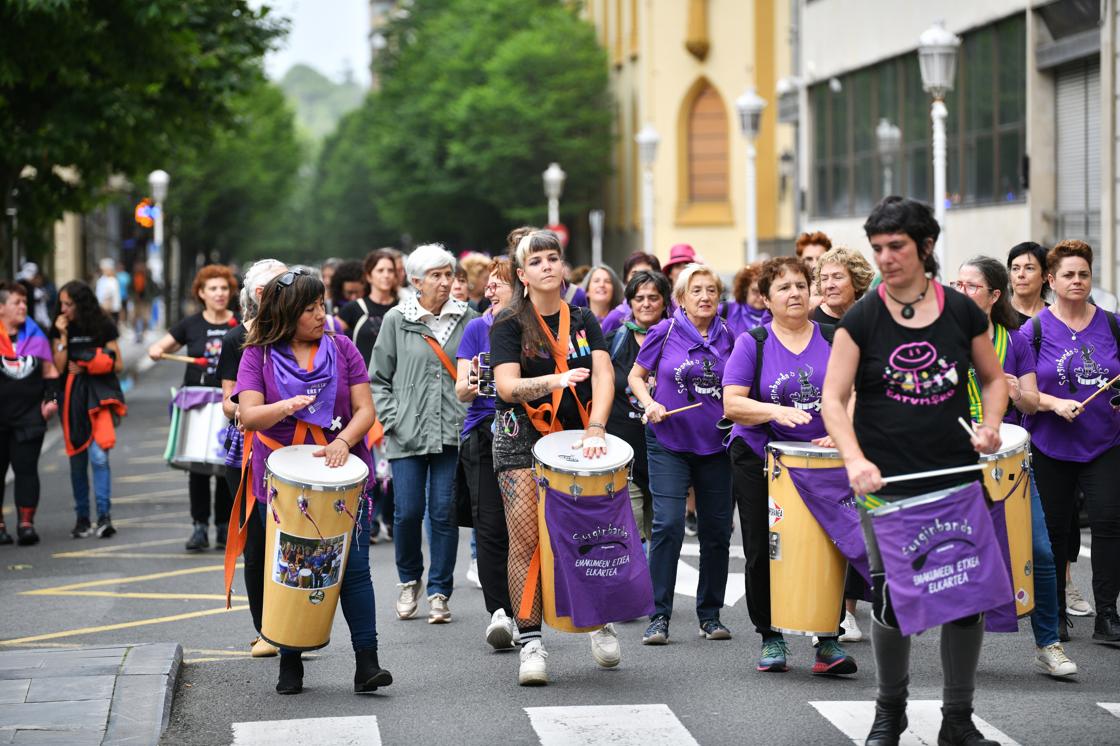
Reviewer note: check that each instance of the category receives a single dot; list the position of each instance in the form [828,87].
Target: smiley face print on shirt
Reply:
[916,373]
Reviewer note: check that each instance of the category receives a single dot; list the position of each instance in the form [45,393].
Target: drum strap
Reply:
[529,593]
[443,358]
[975,403]
[545,417]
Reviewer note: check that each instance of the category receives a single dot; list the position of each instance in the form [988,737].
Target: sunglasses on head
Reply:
[288,278]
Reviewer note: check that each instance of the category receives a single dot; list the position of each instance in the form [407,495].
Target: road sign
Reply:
[561,232]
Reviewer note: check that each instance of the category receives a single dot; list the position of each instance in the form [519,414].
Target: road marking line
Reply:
[619,725]
[155,476]
[854,718]
[1085,552]
[125,579]
[121,625]
[112,549]
[233,653]
[358,730]
[137,555]
[688,578]
[146,460]
[152,596]
[693,550]
[149,496]
[1110,707]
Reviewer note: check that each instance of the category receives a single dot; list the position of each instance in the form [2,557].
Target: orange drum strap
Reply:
[545,417]
[529,592]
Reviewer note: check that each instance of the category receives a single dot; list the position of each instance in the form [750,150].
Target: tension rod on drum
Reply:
[934,473]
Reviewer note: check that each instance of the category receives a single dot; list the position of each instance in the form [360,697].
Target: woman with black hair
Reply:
[639,261]
[85,346]
[1026,263]
[899,414]
[348,283]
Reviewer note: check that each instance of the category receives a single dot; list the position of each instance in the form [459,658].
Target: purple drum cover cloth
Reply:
[828,496]
[942,559]
[600,572]
[1003,617]
[193,397]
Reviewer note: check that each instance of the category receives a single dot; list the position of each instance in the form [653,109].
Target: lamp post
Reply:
[750,106]
[889,137]
[937,57]
[595,218]
[553,177]
[159,180]
[647,140]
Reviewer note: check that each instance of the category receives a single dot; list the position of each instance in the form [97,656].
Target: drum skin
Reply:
[1007,478]
[300,618]
[806,569]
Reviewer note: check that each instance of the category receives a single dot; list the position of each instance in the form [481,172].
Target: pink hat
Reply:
[681,253]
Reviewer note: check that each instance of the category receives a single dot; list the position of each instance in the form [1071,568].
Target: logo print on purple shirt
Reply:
[1088,372]
[916,374]
[693,384]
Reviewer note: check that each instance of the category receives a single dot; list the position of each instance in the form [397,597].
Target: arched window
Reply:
[704,157]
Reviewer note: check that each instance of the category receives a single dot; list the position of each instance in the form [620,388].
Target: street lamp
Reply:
[937,57]
[553,177]
[159,180]
[647,140]
[595,218]
[890,138]
[750,106]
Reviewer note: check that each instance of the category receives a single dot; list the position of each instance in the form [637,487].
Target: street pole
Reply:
[595,218]
[647,209]
[938,113]
[553,210]
[752,207]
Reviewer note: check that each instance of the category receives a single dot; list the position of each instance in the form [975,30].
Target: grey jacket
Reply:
[412,390]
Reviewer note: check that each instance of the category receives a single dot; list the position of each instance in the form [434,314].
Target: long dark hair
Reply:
[995,274]
[90,319]
[533,338]
[915,219]
[281,307]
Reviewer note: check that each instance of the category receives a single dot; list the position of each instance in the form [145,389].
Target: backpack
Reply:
[1036,332]
[361,320]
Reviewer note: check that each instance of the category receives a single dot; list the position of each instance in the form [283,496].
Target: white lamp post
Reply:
[937,57]
[647,140]
[750,106]
[159,180]
[553,177]
[889,137]
[595,218]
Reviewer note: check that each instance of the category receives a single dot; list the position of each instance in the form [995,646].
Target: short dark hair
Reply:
[909,216]
[350,270]
[281,306]
[1071,247]
[640,257]
[7,287]
[772,269]
[644,277]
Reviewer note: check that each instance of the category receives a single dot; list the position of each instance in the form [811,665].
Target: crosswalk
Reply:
[854,718]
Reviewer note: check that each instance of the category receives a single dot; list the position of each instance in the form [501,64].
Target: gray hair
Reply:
[257,276]
[425,258]
[680,287]
[617,291]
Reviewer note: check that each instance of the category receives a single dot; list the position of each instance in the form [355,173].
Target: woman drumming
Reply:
[413,382]
[28,399]
[286,355]
[202,334]
[475,473]
[256,277]
[648,295]
[785,406]
[685,354]
[604,291]
[549,358]
[1074,445]
[840,278]
[636,262]
[984,280]
[892,429]
[747,309]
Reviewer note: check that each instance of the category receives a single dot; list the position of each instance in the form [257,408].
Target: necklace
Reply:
[908,308]
[1072,333]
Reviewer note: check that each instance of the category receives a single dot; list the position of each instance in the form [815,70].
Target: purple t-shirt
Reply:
[1018,362]
[255,374]
[688,369]
[742,318]
[788,380]
[616,317]
[476,340]
[1073,366]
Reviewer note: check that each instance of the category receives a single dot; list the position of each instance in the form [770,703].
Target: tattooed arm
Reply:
[517,390]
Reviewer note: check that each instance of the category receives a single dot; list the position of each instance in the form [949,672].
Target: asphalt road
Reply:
[142,586]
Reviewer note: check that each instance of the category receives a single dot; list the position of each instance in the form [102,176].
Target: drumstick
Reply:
[1096,393]
[677,410]
[934,473]
[184,359]
[967,427]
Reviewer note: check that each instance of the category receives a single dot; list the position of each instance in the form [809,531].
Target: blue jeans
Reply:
[421,482]
[670,474]
[1044,620]
[102,480]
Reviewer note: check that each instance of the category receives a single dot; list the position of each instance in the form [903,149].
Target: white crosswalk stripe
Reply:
[337,731]
[618,725]
[688,576]
[854,718]
[1112,707]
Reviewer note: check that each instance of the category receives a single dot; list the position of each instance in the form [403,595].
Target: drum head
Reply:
[555,451]
[797,448]
[296,464]
[1012,436]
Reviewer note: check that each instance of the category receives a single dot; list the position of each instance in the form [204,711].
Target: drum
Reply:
[196,441]
[802,556]
[564,469]
[1007,478]
[311,509]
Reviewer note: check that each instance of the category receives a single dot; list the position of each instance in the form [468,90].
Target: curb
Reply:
[142,698]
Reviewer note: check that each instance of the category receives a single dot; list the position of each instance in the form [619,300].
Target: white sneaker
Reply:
[500,631]
[472,573]
[1053,661]
[1076,605]
[852,632]
[438,610]
[406,599]
[534,670]
[604,646]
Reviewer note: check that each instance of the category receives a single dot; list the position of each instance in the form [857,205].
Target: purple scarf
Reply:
[321,382]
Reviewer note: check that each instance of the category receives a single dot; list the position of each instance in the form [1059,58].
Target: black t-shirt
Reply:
[821,317]
[625,420]
[911,386]
[229,360]
[202,339]
[21,391]
[81,342]
[585,337]
[364,335]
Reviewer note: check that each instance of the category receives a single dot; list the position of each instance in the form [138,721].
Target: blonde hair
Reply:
[858,268]
[680,287]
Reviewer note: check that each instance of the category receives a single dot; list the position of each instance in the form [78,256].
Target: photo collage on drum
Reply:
[308,562]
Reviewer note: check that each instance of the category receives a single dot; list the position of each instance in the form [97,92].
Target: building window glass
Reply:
[707,148]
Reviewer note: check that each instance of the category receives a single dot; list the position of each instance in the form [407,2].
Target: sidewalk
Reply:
[98,695]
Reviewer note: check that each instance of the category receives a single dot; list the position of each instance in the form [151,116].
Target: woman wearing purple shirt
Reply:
[787,406]
[1075,445]
[686,354]
[748,309]
[634,263]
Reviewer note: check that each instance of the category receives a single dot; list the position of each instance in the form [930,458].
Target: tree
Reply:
[98,87]
[477,97]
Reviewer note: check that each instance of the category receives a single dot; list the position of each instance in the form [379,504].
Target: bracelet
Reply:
[344,440]
[596,424]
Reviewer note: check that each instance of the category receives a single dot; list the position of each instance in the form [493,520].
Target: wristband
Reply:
[344,440]
[599,425]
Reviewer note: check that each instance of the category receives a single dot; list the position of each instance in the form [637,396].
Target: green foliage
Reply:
[319,102]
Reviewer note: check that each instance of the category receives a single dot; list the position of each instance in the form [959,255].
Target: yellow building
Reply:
[679,65]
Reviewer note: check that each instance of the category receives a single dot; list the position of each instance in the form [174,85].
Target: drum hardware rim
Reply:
[807,450]
[294,647]
[304,486]
[801,633]
[573,473]
[997,473]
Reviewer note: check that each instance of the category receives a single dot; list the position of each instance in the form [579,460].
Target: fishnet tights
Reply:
[519,494]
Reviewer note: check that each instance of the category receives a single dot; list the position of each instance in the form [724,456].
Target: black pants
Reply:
[749,488]
[200,499]
[1099,479]
[476,470]
[254,546]
[22,454]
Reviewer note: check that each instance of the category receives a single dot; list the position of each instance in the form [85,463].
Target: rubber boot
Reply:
[890,722]
[291,674]
[368,673]
[1107,626]
[957,729]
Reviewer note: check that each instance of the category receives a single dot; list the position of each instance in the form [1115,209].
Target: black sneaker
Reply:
[1107,627]
[27,536]
[5,537]
[105,528]
[81,529]
[199,539]
[712,629]
[221,533]
[690,527]
[657,633]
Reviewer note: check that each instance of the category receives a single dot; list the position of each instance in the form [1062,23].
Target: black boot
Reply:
[199,538]
[5,537]
[221,534]
[890,721]
[957,729]
[1107,626]
[291,674]
[368,673]
[1064,623]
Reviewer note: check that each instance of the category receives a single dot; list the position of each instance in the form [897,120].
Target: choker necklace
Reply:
[908,308]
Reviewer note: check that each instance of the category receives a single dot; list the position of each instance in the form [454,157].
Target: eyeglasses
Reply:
[288,278]
[494,287]
[968,288]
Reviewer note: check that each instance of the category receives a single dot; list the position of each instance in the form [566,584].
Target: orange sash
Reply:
[545,417]
[443,358]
